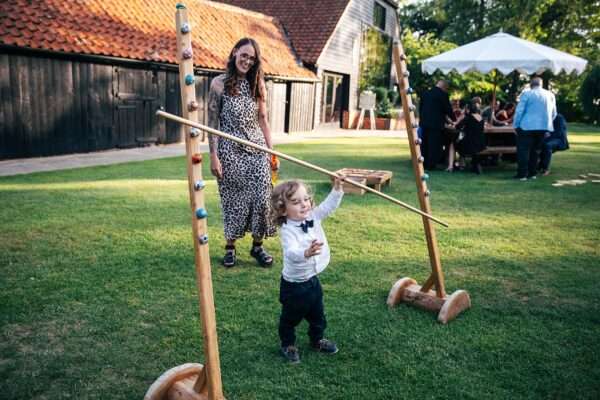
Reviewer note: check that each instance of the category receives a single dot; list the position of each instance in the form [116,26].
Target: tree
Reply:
[590,95]
[568,25]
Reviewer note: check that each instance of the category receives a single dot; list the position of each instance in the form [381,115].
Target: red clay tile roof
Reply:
[309,23]
[145,30]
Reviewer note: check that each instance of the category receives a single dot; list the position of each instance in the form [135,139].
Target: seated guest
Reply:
[489,115]
[473,140]
[457,109]
[553,141]
[506,113]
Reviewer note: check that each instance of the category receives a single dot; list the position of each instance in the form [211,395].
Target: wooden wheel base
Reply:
[178,383]
[406,290]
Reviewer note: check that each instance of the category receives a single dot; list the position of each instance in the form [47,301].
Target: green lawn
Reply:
[98,294]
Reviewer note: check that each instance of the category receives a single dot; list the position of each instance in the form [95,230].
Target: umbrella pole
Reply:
[495,82]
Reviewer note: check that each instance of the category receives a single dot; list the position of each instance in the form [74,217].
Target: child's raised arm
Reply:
[332,201]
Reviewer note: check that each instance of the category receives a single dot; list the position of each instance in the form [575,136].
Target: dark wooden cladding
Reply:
[56,106]
[52,106]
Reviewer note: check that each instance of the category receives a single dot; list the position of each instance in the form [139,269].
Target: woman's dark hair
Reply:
[474,107]
[254,75]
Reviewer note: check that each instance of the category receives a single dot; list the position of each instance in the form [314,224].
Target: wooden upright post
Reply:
[406,289]
[194,381]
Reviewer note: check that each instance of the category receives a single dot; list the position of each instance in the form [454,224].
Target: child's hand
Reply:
[338,183]
[314,249]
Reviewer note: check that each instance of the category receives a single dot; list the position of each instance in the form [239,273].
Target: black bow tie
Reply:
[309,223]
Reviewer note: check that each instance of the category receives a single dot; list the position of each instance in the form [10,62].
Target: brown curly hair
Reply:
[255,75]
[282,193]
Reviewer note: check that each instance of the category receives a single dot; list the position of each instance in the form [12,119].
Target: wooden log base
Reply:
[456,303]
[178,383]
[407,291]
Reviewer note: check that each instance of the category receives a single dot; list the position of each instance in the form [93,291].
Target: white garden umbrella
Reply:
[504,53]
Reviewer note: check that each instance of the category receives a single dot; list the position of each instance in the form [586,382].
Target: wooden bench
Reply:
[498,150]
[370,177]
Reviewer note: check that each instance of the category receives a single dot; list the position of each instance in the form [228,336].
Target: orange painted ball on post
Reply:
[197,158]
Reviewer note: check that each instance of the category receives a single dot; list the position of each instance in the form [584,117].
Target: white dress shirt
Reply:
[294,241]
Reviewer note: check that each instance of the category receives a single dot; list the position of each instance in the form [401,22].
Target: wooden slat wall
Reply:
[52,106]
[301,106]
[276,106]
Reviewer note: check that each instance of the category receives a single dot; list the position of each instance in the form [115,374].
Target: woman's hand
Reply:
[215,166]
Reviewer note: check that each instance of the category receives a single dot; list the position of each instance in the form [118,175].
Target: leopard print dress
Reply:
[245,188]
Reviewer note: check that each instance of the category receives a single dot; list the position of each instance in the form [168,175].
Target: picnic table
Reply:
[499,139]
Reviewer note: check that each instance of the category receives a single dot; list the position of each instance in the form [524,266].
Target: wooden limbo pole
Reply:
[297,161]
[194,381]
[406,289]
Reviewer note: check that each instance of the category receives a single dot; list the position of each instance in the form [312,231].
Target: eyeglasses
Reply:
[247,57]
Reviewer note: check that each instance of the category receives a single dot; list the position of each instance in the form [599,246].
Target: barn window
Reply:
[379,16]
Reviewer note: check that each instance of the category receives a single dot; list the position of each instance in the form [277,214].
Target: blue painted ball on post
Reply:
[203,239]
[194,132]
[185,28]
[199,185]
[424,177]
[201,213]
[189,79]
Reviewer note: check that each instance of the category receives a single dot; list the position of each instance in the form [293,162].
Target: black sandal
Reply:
[229,259]
[263,258]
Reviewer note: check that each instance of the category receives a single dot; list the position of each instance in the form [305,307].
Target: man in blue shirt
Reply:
[533,118]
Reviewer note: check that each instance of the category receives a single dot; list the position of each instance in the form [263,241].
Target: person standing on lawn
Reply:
[434,111]
[237,106]
[555,141]
[305,255]
[533,119]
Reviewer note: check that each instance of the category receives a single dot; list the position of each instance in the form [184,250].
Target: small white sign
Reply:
[366,100]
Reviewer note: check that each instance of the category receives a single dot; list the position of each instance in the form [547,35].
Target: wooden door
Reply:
[136,100]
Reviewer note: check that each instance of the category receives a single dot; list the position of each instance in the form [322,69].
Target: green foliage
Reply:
[567,25]
[590,95]
[383,105]
[98,294]
[394,96]
[376,60]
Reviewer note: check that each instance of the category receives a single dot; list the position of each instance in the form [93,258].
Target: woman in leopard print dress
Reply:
[237,105]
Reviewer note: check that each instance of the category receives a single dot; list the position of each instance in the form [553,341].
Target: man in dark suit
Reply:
[555,141]
[434,111]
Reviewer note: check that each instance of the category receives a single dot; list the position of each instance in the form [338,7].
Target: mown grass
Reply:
[98,294]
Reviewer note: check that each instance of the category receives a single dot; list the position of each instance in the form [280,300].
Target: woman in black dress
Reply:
[237,105]
[473,140]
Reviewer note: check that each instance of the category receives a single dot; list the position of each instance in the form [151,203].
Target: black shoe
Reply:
[325,346]
[263,258]
[290,353]
[229,259]
[477,169]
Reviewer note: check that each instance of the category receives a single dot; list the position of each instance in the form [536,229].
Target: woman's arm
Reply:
[214,110]
[263,119]
[214,113]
